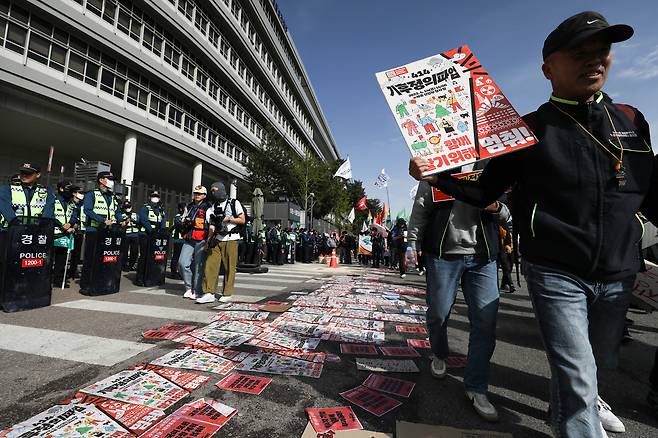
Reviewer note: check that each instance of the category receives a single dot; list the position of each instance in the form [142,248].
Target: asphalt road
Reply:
[49,353]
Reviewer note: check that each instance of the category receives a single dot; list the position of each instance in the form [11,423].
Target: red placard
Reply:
[110,259]
[185,379]
[408,329]
[199,419]
[359,349]
[244,383]
[338,418]
[372,401]
[169,331]
[439,196]
[390,385]
[456,361]
[419,343]
[407,351]
[31,263]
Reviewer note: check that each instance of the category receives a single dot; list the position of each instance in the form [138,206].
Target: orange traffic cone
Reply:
[333,260]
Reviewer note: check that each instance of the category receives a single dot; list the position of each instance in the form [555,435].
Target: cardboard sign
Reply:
[386,365]
[195,359]
[390,385]
[419,343]
[646,285]
[244,383]
[309,432]
[202,418]
[334,419]
[414,430]
[408,329]
[399,351]
[372,401]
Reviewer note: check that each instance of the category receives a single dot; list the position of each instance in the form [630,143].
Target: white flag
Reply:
[382,179]
[413,191]
[351,216]
[345,170]
[364,227]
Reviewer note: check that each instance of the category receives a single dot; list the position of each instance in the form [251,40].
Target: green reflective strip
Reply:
[599,98]
[532,220]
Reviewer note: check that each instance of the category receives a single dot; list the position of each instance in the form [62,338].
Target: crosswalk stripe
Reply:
[68,346]
[170,313]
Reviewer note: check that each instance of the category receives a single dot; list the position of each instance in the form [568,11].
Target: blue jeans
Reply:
[479,282]
[191,263]
[581,324]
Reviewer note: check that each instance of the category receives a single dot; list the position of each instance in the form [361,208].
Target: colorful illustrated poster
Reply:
[199,419]
[72,420]
[431,102]
[451,112]
[138,387]
[500,128]
[195,359]
[335,419]
[365,245]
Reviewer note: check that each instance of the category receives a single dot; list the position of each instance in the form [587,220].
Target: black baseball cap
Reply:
[576,29]
[154,194]
[29,168]
[105,174]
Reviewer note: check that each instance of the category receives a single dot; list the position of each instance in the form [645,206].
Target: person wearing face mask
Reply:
[192,257]
[177,239]
[76,197]
[100,208]
[226,218]
[66,216]
[129,219]
[151,219]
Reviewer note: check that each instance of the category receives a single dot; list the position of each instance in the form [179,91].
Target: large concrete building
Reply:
[169,92]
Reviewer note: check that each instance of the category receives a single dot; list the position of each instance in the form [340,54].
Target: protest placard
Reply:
[195,359]
[390,385]
[372,401]
[309,432]
[169,331]
[386,365]
[334,419]
[408,329]
[358,349]
[456,361]
[400,351]
[271,363]
[244,383]
[201,418]
[184,379]
[419,343]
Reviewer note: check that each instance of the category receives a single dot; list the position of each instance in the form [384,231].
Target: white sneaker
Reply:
[225,299]
[609,420]
[206,298]
[403,275]
[482,406]
[603,434]
[188,294]
[438,368]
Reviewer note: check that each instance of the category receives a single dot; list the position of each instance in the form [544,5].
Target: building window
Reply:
[186,7]
[175,116]
[212,139]
[201,132]
[38,48]
[201,22]
[137,96]
[152,39]
[109,13]
[172,54]
[213,89]
[190,124]
[16,38]
[158,107]
[95,6]
[187,68]
[111,83]
[201,79]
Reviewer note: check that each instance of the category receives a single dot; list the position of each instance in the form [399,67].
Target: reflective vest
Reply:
[19,202]
[197,214]
[83,220]
[154,218]
[62,215]
[133,225]
[102,209]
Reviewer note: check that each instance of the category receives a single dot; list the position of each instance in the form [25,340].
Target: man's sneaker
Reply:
[482,406]
[225,299]
[603,434]
[206,298]
[403,275]
[610,421]
[438,368]
[188,294]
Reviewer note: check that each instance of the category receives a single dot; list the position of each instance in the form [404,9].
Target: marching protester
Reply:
[100,209]
[151,219]
[66,216]
[130,221]
[460,246]
[576,195]
[192,259]
[225,216]
[399,242]
[177,239]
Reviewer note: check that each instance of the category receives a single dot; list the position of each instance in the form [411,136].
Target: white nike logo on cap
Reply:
[592,22]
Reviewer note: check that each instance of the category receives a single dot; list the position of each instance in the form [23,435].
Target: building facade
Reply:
[169,92]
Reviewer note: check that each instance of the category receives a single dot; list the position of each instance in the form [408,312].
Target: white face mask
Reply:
[128,210]
[155,200]
[80,196]
[109,184]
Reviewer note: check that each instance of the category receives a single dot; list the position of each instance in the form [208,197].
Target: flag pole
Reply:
[388,199]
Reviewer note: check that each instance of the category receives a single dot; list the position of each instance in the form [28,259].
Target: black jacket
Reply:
[569,210]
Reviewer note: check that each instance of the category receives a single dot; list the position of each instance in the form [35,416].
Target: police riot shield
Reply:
[156,258]
[27,266]
[106,264]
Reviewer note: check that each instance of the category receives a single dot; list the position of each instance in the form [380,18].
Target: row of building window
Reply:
[36,39]
[139,26]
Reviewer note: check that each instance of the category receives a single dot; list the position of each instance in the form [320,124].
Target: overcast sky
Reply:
[343,43]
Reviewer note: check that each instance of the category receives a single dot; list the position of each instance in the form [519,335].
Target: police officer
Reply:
[151,219]
[80,227]
[177,231]
[66,216]
[100,208]
[23,202]
[130,221]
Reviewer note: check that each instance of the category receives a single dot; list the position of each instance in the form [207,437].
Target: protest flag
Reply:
[345,170]
[361,205]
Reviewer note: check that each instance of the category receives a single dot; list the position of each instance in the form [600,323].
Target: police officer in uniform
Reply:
[79,226]
[130,221]
[23,202]
[66,216]
[100,208]
[177,231]
[151,219]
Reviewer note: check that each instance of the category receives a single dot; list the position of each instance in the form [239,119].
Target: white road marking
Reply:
[169,313]
[68,346]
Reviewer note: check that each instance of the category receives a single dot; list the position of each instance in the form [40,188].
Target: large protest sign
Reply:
[365,245]
[26,280]
[334,419]
[450,110]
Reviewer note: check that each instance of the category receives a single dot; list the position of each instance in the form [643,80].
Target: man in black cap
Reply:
[576,195]
[100,208]
[130,221]
[151,219]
